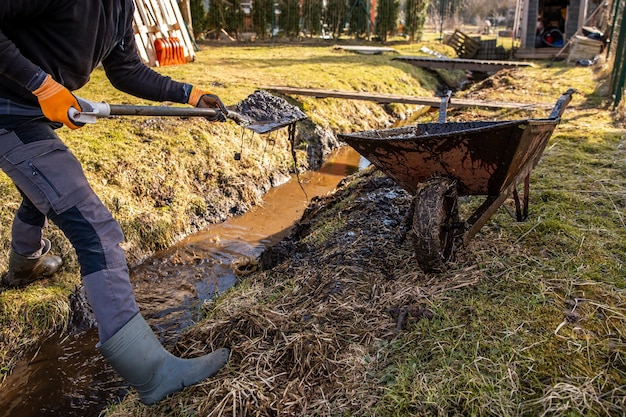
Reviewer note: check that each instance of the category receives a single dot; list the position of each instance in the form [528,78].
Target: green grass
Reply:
[494,349]
[542,333]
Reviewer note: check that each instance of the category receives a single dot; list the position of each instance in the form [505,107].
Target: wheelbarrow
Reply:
[438,162]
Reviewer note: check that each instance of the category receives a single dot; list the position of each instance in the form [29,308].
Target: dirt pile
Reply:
[263,106]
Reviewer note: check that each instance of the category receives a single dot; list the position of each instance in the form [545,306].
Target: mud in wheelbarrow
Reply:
[438,162]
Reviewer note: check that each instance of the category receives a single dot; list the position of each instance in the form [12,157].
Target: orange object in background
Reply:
[161,48]
[179,51]
[169,51]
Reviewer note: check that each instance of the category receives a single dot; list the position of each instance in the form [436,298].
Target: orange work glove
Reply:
[55,101]
[200,98]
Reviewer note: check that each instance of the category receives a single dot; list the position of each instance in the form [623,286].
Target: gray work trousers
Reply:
[53,186]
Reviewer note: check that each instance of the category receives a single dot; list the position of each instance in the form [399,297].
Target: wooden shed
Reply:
[546,26]
[163,36]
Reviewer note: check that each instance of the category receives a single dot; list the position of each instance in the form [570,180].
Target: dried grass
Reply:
[308,336]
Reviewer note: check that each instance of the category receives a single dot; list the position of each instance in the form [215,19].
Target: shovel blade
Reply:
[267,127]
[266,113]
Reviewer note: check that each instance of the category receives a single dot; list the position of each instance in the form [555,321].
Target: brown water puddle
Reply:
[67,377]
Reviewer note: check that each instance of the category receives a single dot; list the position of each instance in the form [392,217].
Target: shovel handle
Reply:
[91,111]
[129,110]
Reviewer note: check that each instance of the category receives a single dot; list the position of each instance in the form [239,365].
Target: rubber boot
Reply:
[23,269]
[136,354]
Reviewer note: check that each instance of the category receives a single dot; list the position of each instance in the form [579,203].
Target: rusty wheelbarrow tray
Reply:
[437,162]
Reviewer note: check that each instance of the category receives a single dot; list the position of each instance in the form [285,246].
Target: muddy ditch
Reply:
[66,376]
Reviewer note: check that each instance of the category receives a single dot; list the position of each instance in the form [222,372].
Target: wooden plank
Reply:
[465,46]
[391,98]
[173,27]
[155,19]
[185,36]
[459,63]
[536,53]
[140,41]
[154,16]
[173,21]
[366,50]
[157,15]
[142,18]
[151,15]
[584,48]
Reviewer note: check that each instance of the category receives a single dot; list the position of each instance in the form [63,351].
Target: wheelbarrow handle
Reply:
[443,107]
[561,104]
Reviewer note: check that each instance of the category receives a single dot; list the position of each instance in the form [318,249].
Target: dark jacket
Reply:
[68,39]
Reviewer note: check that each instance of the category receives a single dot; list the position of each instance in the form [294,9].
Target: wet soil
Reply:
[266,112]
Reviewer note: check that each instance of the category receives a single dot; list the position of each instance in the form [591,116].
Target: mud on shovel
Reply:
[260,112]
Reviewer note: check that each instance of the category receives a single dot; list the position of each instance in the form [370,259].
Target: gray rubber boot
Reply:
[136,354]
[23,269]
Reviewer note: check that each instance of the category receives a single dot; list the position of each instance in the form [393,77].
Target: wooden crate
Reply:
[156,19]
[584,48]
[465,46]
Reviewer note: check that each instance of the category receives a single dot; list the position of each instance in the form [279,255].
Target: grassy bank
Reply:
[528,320]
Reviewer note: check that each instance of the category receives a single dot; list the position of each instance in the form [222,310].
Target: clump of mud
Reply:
[81,315]
[267,112]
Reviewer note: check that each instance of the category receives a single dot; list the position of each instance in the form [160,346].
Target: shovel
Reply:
[260,112]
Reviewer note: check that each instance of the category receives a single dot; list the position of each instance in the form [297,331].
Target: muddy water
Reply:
[171,287]
[66,377]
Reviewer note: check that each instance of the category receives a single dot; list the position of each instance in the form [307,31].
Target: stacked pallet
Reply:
[464,45]
[161,34]
[584,48]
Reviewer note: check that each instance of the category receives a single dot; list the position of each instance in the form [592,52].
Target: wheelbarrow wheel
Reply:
[434,218]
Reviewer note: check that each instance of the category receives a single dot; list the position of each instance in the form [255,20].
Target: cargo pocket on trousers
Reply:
[53,169]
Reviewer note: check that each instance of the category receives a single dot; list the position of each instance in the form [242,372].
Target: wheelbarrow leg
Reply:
[526,195]
[492,203]
[521,207]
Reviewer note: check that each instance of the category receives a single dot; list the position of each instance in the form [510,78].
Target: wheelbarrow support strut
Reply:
[482,214]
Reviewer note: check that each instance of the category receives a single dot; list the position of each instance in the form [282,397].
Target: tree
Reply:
[312,11]
[443,9]
[387,18]
[199,17]
[263,17]
[415,19]
[216,20]
[226,15]
[336,14]
[360,19]
[290,17]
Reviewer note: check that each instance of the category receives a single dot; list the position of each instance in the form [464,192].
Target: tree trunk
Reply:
[185,10]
